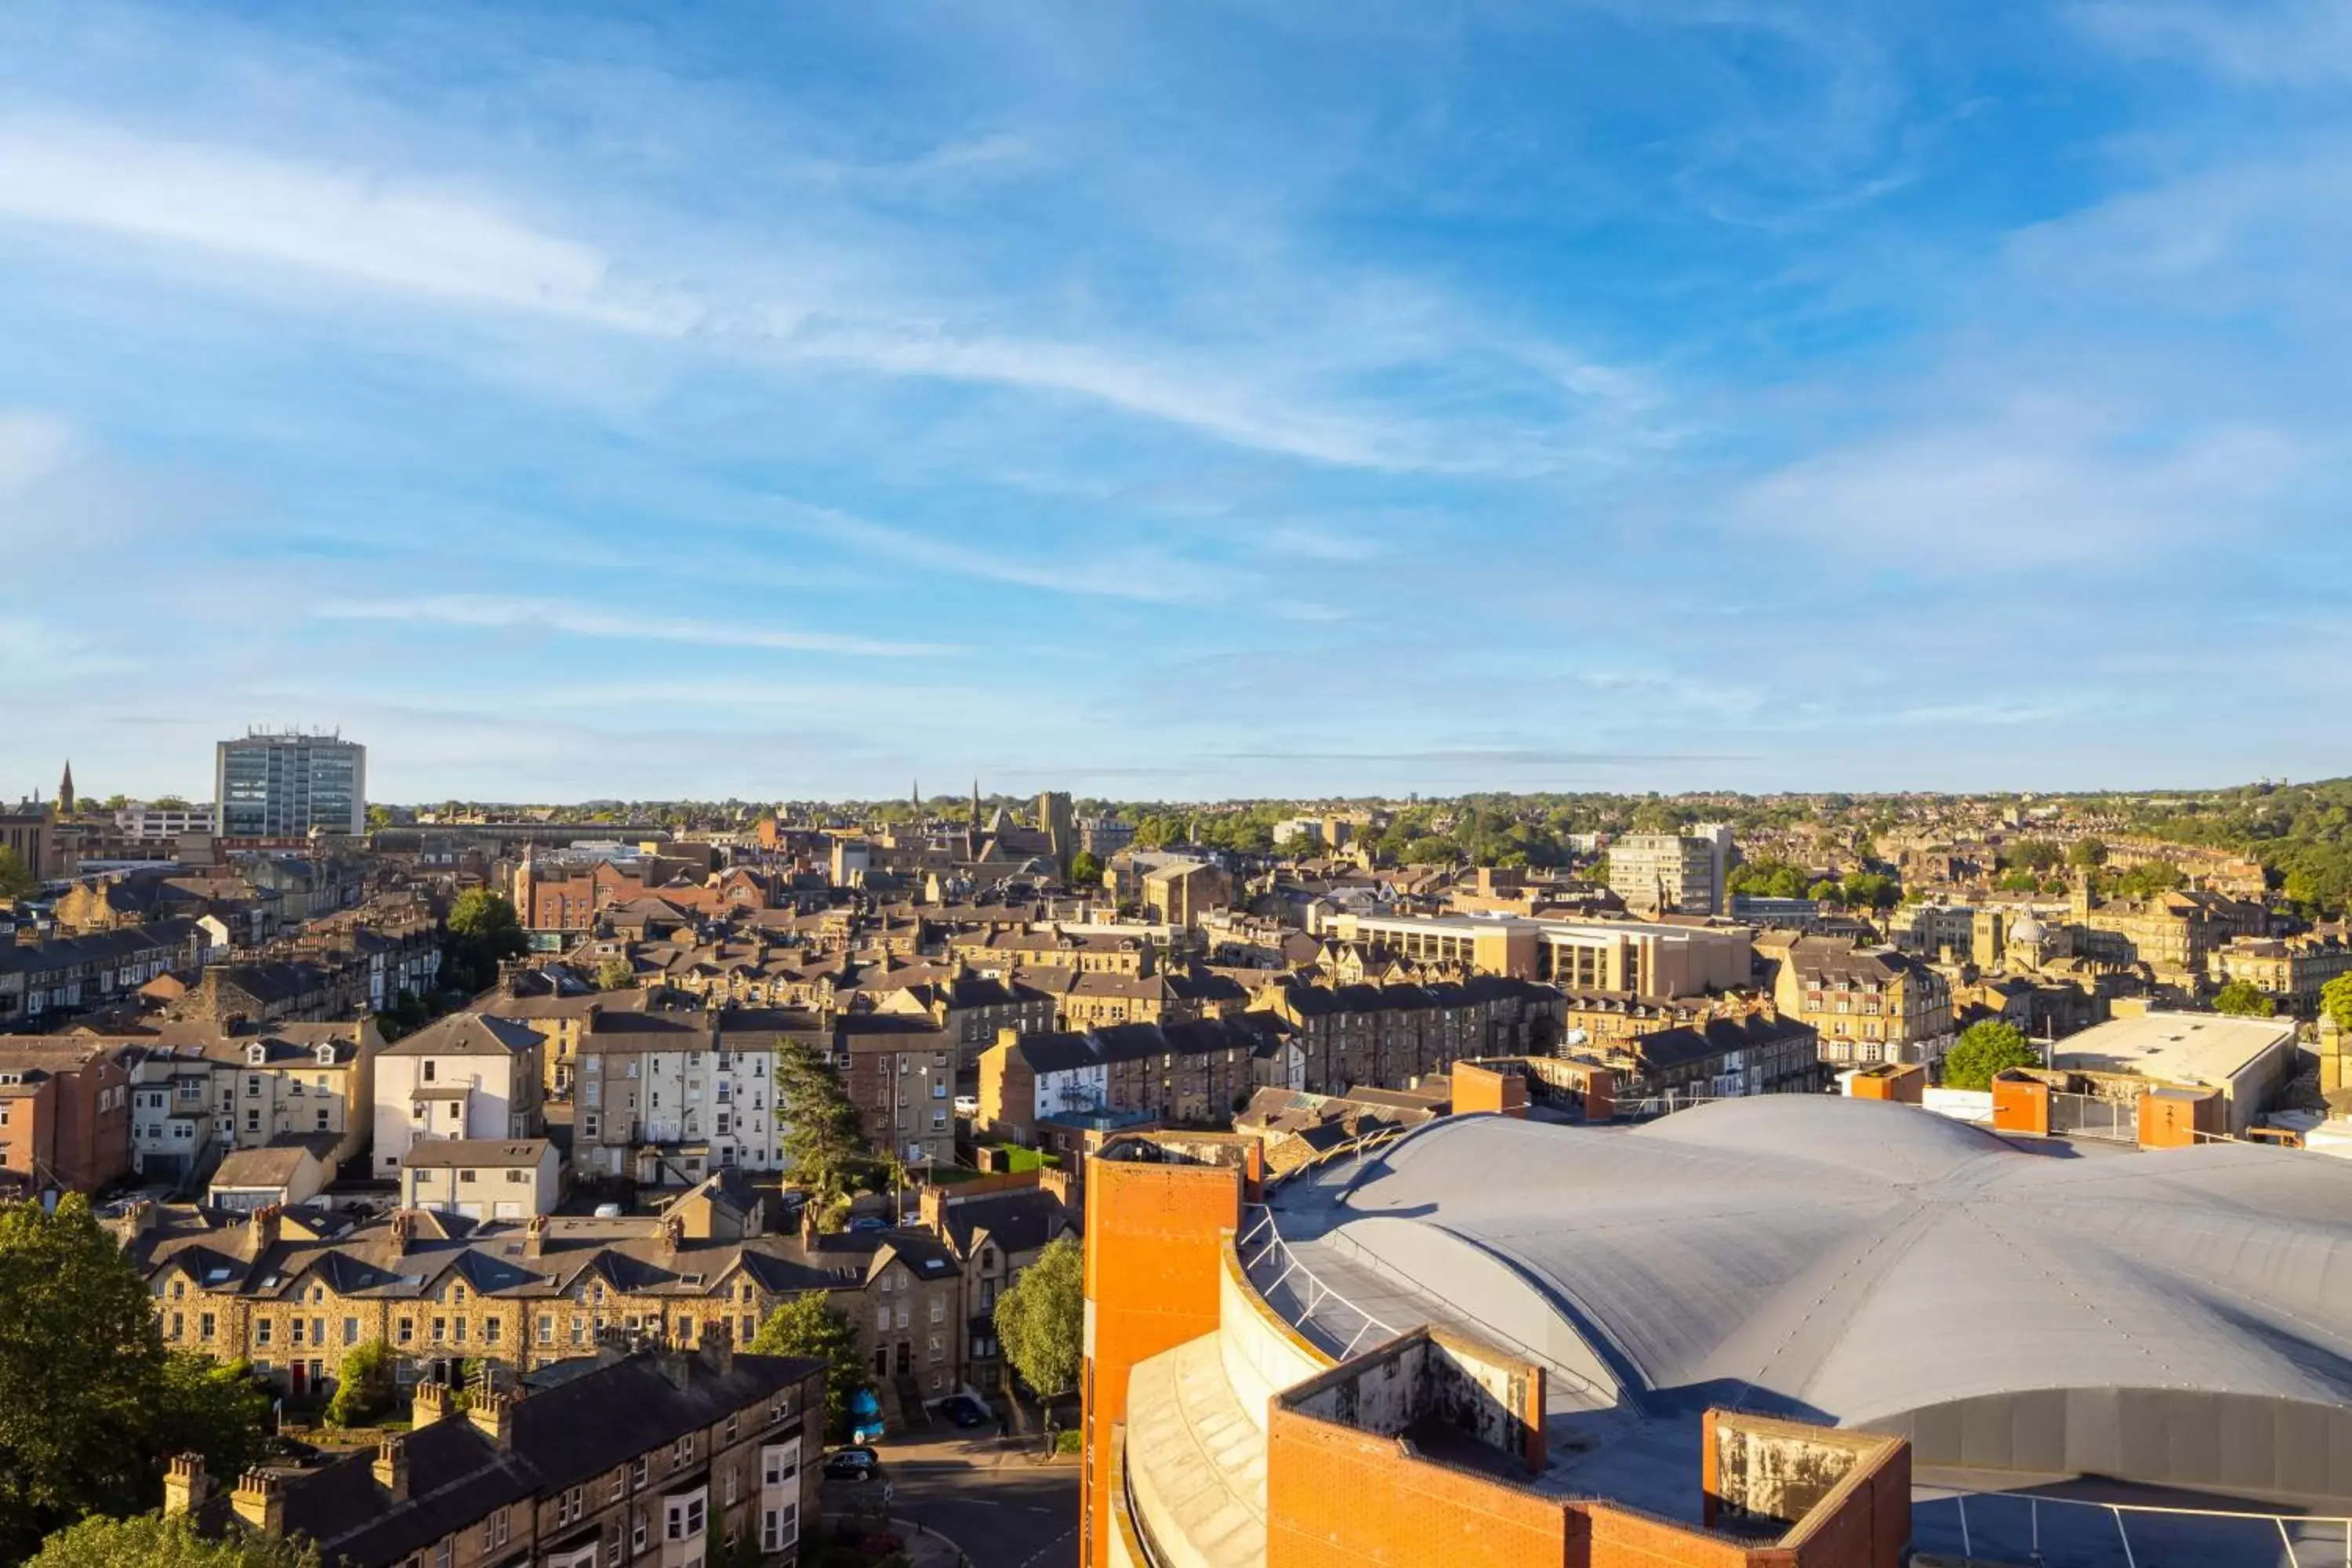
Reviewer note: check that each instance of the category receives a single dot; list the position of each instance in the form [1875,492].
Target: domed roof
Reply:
[2027,929]
[1858,1260]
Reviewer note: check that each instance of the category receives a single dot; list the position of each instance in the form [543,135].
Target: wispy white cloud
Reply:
[731,625]
[380,232]
[33,447]
[2264,43]
[2038,483]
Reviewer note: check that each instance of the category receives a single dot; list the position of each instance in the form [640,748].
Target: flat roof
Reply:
[2209,1049]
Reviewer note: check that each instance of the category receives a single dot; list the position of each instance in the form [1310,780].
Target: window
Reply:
[428,1069]
[732,1473]
[938,1348]
[637,1471]
[729,1433]
[684,1516]
[938,1308]
[465,1175]
[490,1331]
[546,1328]
[637,1525]
[351,1331]
[682,1451]
[494,1531]
[620,1485]
[440,1330]
[778,1527]
[441,1555]
[261,1331]
[204,1323]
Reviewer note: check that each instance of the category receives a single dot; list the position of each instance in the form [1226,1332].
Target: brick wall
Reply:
[1153,1251]
[1336,1497]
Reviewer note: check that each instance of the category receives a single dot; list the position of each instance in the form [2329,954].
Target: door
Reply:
[294,1370]
[906,1357]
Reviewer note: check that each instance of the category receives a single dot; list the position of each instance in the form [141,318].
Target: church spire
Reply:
[975,803]
[65,790]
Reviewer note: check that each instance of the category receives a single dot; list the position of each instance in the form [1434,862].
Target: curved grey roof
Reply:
[1861,1262]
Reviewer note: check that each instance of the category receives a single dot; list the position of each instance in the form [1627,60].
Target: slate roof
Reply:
[466,1035]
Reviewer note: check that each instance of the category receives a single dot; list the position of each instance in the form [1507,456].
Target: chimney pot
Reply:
[186,1486]
[391,1468]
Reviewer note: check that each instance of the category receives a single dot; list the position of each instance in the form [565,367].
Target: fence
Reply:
[2076,1532]
[1261,1247]
[2088,1116]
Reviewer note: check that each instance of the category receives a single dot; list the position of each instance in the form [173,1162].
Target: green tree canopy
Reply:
[616,973]
[2336,1000]
[152,1540]
[1085,869]
[1767,878]
[2243,999]
[1984,1050]
[2144,881]
[811,1326]
[90,1405]
[824,1138]
[16,878]
[364,1394]
[484,931]
[1042,1320]
[2088,855]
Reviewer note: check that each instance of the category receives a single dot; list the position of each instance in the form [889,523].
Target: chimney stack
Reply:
[534,1236]
[391,1468]
[431,1404]
[404,1231]
[186,1486]
[718,1349]
[493,1416]
[261,1230]
[673,1234]
[261,1500]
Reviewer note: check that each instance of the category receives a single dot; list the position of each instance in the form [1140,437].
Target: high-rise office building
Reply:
[282,784]
[1661,873]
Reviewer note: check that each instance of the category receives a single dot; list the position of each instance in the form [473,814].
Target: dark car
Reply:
[852,1464]
[965,1411]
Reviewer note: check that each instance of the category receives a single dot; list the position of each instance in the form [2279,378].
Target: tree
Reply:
[1984,1050]
[1042,1320]
[90,1405]
[2149,879]
[1085,869]
[616,973]
[150,1540]
[16,879]
[2088,855]
[2243,999]
[365,1392]
[484,931]
[213,1408]
[824,1138]
[2335,1001]
[810,1325]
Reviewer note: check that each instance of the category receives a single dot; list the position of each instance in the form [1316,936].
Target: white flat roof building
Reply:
[2245,1058]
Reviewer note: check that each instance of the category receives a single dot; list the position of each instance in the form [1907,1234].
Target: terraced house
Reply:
[660,1456]
[295,1291]
[1385,1037]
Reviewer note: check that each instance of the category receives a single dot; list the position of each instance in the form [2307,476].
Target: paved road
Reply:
[1004,1511]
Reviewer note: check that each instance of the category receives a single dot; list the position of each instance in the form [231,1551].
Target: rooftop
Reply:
[2208,1048]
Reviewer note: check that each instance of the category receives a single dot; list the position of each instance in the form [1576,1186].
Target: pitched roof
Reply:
[466,1034]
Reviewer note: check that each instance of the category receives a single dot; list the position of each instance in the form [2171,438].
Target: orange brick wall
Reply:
[1483,1088]
[1336,1497]
[1617,1537]
[1907,1085]
[1154,1252]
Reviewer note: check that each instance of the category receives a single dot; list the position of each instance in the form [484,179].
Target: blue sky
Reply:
[1170,401]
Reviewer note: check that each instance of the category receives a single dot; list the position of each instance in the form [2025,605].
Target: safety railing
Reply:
[2082,1532]
[1261,1245]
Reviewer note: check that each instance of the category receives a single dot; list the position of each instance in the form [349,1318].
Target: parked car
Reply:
[965,1411]
[852,1464]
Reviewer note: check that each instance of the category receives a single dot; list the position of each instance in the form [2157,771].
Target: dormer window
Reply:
[256,1054]
[326,1055]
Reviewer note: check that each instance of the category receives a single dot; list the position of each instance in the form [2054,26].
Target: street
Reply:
[1002,1509]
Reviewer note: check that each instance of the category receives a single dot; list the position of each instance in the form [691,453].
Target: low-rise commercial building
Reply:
[511,1179]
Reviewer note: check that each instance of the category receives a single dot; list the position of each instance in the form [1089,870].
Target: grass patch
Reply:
[1017,1159]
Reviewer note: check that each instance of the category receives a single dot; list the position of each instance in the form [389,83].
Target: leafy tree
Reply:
[484,931]
[1767,878]
[824,1138]
[2088,855]
[1984,1050]
[90,1403]
[2335,1001]
[2032,855]
[169,803]
[2243,999]
[364,1394]
[405,1016]
[152,1540]
[616,973]
[1042,1320]
[2146,881]
[213,1408]
[812,1326]
[16,878]
[1085,869]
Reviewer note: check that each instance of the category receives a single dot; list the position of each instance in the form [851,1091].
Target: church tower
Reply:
[65,790]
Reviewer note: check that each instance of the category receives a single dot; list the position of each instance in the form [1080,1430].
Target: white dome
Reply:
[2027,929]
